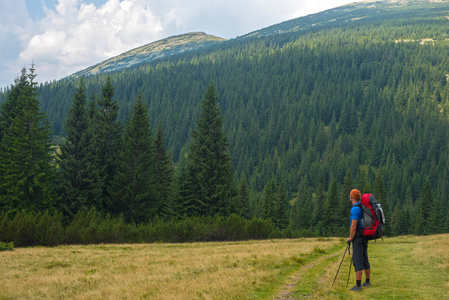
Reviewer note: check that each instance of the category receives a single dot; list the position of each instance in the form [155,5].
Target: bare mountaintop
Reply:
[159,49]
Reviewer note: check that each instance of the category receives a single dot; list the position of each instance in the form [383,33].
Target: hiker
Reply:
[359,244]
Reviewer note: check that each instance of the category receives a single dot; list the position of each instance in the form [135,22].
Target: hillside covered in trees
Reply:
[352,97]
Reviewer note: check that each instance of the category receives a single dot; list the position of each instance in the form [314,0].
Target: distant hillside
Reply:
[164,48]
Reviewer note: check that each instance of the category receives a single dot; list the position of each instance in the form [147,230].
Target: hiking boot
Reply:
[356,288]
[366,284]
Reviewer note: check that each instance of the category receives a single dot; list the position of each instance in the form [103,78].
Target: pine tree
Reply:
[26,162]
[105,137]
[209,161]
[73,156]
[164,168]
[134,190]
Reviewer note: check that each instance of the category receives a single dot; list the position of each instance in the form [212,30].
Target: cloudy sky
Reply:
[65,36]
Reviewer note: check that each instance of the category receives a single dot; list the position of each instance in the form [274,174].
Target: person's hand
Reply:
[349,241]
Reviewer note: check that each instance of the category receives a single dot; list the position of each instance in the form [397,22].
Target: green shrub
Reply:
[6,246]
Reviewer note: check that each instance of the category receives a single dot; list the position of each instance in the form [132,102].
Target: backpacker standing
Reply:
[359,244]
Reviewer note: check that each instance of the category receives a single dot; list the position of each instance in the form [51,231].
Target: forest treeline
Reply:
[306,116]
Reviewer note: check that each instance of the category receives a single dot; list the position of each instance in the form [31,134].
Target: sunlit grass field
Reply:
[403,267]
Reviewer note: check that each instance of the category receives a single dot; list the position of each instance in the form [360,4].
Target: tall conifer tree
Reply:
[28,174]
[134,191]
[73,156]
[270,200]
[106,139]
[209,161]
[93,190]
[164,167]
[244,198]
[181,201]
[283,207]
[344,206]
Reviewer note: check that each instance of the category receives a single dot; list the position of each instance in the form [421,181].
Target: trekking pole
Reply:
[341,262]
[350,265]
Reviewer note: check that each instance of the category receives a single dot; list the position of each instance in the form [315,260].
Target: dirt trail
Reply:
[287,290]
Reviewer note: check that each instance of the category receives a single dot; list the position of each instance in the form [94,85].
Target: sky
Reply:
[62,37]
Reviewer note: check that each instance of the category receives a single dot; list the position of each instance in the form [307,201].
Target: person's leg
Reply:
[357,257]
[358,275]
[366,265]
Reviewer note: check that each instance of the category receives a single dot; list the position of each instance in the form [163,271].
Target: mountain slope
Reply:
[164,48]
[309,105]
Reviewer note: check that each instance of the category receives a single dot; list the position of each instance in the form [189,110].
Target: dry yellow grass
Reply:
[236,270]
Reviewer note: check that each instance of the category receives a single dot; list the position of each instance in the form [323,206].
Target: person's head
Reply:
[355,196]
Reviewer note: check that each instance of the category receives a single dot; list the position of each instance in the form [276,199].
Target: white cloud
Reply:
[76,35]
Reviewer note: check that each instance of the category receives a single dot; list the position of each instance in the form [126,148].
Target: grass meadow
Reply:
[406,267]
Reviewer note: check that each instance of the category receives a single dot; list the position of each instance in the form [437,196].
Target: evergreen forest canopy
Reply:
[355,97]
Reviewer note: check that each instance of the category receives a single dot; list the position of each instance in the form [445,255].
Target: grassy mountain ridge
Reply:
[163,48]
[360,13]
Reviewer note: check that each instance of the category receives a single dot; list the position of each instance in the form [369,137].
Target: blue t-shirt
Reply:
[356,214]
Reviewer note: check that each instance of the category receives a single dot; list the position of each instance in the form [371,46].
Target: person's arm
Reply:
[353,231]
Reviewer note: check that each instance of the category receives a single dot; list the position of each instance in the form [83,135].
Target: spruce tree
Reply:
[318,204]
[181,201]
[164,168]
[283,207]
[26,161]
[426,205]
[330,218]
[345,205]
[73,156]
[93,189]
[294,215]
[434,223]
[302,210]
[209,161]
[244,199]
[270,200]
[419,226]
[9,110]
[105,137]
[134,190]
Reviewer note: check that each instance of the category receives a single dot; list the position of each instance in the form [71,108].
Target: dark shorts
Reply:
[360,254]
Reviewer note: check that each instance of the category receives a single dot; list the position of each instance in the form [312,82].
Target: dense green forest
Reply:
[360,100]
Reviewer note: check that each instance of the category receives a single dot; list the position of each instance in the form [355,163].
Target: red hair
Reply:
[355,194]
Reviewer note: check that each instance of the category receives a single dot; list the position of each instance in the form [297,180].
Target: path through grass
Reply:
[402,268]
